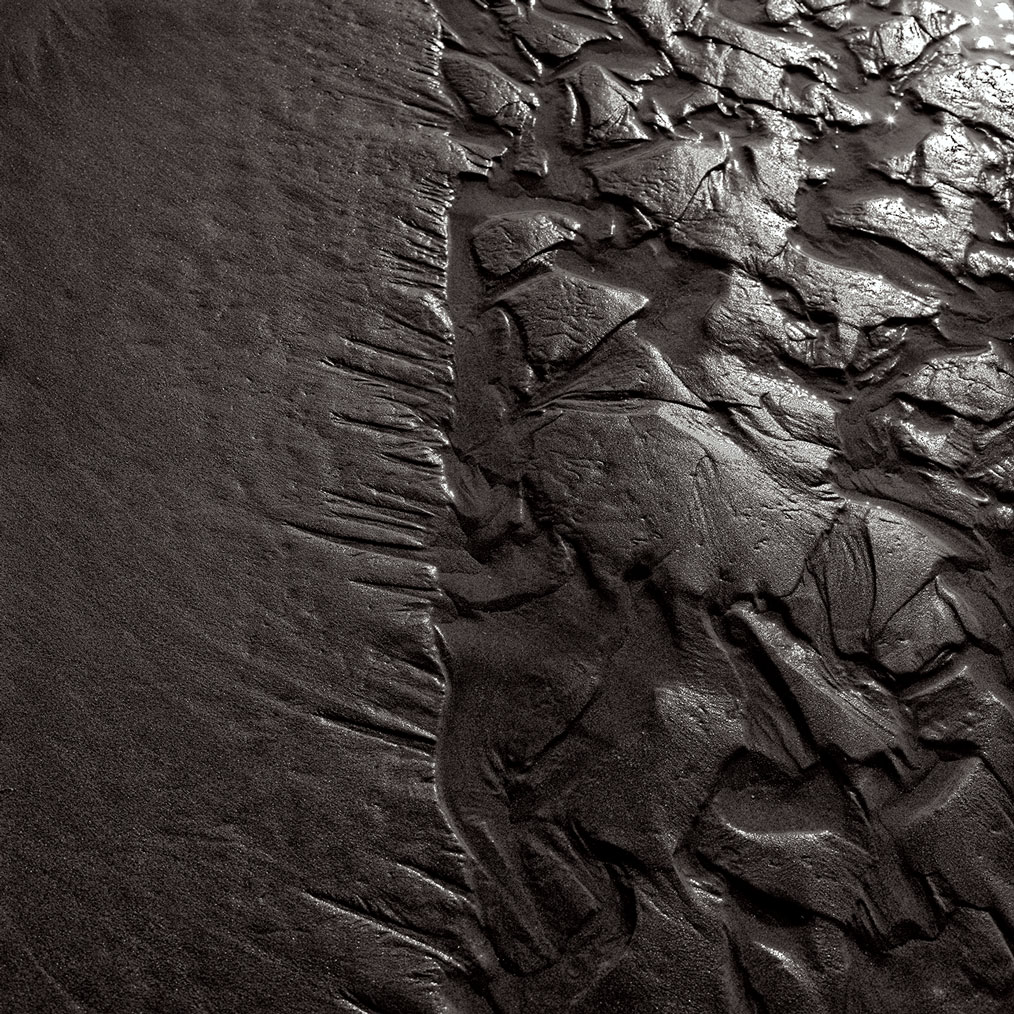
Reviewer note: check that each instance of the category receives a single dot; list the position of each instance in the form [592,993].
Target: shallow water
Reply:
[992,27]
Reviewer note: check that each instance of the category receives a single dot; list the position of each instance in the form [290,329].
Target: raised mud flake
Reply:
[965,968]
[968,704]
[563,316]
[919,436]
[555,37]
[904,555]
[775,163]
[609,107]
[975,386]
[990,264]
[506,242]
[702,515]
[858,297]
[749,321]
[940,233]
[768,401]
[490,93]
[663,177]
[786,968]
[937,20]
[900,41]
[953,413]
[845,708]
[785,50]
[919,635]
[802,839]
[494,96]
[750,78]
[728,218]
[993,467]
[662,19]
[955,156]
[978,93]
[626,367]
[858,300]
[732,201]
[833,13]
[959,802]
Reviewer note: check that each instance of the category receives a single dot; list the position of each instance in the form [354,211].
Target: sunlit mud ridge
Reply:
[727,631]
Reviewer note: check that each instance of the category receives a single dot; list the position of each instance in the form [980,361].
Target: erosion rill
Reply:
[727,630]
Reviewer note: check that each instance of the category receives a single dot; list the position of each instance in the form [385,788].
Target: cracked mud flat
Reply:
[507,507]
